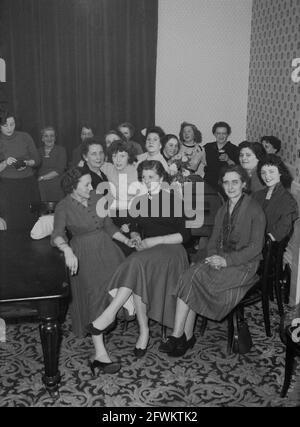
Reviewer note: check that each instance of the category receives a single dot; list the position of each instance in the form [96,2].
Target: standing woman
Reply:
[191,138]
[18,185]
[53,164]
[279,205]
[214,286]
[90,254]
[250,154]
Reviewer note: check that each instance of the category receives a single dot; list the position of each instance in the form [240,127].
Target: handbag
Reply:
[242,340]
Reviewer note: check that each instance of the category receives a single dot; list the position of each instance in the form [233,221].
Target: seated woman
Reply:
[219,153]
[213,287]
[279,205]
[93,153]
[271,144]
[150,274]
[127,129]
[250,154]
[153,146]
[86,131]
[191,138]
[91,256]
[53,164]
[110,137]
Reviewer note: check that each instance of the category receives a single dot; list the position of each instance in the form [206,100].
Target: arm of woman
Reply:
[58,239]
[256,241]
[169,239]
[115,233]
[282,226]
[48,176]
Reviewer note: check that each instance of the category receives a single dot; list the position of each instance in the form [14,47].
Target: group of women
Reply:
[144,265]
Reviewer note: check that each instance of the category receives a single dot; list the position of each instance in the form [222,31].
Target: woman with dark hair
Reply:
[219,153]
[250,154]
[191,138]
[53,165]
[271,144]
[86,131]
[170,146]
[18,185]
[214,286]
[127,129]
[93,153]
[150,273]
[91,256]
[279,205]
[153,146]
[110,137]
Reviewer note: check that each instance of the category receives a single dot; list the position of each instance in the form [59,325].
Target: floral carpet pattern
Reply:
[204,377]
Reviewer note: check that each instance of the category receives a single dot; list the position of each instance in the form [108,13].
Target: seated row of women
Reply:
[156,278]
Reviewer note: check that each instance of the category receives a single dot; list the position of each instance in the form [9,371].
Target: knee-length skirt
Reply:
[214,293]
[98,258]
[153,274]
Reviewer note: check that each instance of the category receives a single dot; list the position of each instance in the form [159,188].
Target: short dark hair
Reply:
[257,149]
[154,165]
[4,115]
[71,178]
[127,125]
[120,146]
[273,160]
[275,142]
[239,170]
[167,138]
[45,128]
[197,133]
[221,125]
[156,129]
[91,141]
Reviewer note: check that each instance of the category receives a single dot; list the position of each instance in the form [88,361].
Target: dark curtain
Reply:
[71,61]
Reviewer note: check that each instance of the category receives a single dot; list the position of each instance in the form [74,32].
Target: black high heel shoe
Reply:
[104,367]
[139,352]
[90,328]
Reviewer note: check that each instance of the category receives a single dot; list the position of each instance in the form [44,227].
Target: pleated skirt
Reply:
[214,293]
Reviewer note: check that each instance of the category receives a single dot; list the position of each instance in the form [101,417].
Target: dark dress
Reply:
[50,189]
[214,165]
[96,178]
[153,273]
[214,293]
[18,187]
[281,211]
[98,257]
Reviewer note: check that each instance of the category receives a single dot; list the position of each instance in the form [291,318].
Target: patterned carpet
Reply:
[204,377]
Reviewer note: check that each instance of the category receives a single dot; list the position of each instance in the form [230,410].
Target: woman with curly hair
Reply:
[90,254]
[279,205]
[250,153]
[191,138]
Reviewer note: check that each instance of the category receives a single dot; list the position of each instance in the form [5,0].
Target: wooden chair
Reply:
[292,341]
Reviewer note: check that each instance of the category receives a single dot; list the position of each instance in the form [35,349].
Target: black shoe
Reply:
[104,367]
[95,331]
[139,352]
[171,344]
[181,349]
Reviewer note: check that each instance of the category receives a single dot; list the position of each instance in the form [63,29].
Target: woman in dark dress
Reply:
[279,205]
[93,153]
[53,165]
[151,273]
[91,255]
[18,185]
[214,286]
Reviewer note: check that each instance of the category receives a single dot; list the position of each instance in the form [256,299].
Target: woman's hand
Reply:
[10,161]
[71,261]
[148,243]
[216,261]
[135,238]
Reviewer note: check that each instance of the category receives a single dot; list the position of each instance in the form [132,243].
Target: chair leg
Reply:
[277,286]
[288,370]
[203,326]
[266,312]
[230,333]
